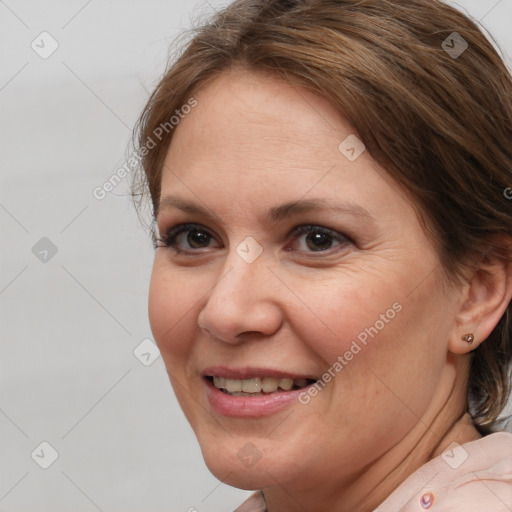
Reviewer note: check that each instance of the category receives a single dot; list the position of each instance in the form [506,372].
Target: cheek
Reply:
[374,340]
[172,317]
[170,308]
[344,315]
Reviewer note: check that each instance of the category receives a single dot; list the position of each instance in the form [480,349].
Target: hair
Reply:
[439,122]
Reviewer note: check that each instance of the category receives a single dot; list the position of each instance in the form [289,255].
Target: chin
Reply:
[246,468]
[233,474]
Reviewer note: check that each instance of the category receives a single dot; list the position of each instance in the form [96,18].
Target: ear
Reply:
[487,295]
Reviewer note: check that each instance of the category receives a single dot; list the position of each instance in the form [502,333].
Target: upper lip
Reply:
[250,372]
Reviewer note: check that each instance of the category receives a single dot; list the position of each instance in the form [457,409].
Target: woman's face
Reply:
[301,259]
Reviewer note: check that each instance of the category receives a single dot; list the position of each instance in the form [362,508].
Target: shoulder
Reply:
[468,478]
[255,503]
[471,477]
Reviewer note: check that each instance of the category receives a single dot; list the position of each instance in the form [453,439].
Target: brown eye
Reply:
[198,239]
[187,237]
[317,239]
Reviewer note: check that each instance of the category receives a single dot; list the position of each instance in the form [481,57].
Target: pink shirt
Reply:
[473,477]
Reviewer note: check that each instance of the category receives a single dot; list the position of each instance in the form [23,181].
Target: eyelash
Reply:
[168,240]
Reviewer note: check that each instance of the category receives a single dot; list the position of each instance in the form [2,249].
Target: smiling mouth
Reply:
[257,386]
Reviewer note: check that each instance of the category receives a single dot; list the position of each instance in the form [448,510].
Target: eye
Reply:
[187,238]
[310,238]
[190,238]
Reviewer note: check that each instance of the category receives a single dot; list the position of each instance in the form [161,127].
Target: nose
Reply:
[243,303]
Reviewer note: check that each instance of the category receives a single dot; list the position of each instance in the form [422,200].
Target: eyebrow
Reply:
[276,213]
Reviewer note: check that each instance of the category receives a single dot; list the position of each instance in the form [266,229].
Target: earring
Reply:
[468,338]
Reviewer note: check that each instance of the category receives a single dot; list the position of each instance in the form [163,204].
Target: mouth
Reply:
[253,392]
[258,386]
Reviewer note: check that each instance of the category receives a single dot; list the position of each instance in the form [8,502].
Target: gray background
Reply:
[70,324]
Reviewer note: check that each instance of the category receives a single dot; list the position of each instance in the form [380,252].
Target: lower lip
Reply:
[249,407]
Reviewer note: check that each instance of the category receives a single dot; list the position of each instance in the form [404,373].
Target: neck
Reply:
[444,422]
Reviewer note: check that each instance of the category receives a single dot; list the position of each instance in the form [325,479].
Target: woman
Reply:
[332,282]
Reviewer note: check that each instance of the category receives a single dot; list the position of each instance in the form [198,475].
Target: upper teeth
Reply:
[256,385]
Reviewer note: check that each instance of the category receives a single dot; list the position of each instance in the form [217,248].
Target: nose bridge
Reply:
[240,301]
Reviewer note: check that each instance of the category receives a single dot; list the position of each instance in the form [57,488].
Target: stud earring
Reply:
[468,338]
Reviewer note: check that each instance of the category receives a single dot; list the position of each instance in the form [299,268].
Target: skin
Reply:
[254,142]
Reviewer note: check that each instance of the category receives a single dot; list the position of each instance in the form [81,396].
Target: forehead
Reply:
[242,114]
[259,138]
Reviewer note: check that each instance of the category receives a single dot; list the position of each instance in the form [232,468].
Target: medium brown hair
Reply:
[439,123]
